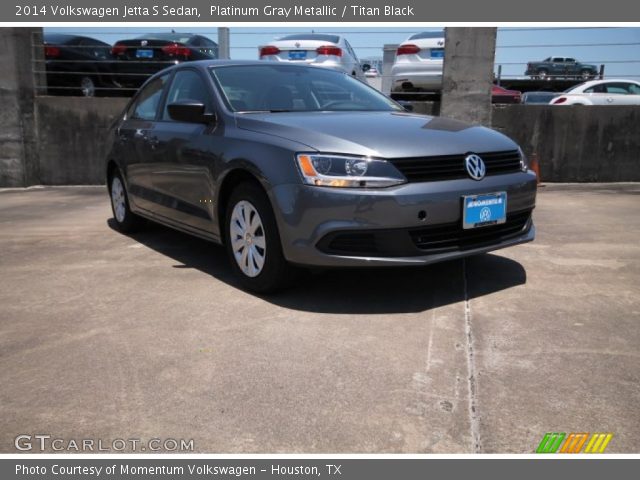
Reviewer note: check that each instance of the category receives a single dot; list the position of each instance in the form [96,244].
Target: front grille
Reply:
[441,238]
[451,167]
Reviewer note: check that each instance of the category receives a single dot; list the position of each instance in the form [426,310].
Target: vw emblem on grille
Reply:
[475,166]
[297,44]
[440,43]
[143,43]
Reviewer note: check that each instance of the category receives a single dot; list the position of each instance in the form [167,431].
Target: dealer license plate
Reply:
[297,55]
[144,53]
[484,210]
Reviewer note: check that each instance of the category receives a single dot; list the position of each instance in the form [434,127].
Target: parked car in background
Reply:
[372,72]
[141,57]
[601,92]
[77,65]
[539,98]
[502,95]
[315,49]
[290,165]
[418,63]
[560,67]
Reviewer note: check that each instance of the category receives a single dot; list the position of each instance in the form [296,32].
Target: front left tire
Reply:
[126,221]
[253,241]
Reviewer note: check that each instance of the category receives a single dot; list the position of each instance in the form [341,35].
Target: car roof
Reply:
[424,35]
[62,38]
[164,35]
[204,64]
[590,83]
[324,37]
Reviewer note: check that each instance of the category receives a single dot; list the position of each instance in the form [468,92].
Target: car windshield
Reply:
[290,88]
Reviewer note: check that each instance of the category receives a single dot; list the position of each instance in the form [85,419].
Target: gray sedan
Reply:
[292,166]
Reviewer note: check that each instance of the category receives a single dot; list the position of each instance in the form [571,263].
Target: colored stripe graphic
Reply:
[550,442]
[573,442]
[598,443]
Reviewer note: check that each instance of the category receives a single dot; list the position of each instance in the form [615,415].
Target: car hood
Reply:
[377,134]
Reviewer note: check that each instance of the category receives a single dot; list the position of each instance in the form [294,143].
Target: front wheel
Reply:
[253,242]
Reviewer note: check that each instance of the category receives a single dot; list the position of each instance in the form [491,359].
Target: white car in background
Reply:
[315,49]
[372,72]
[418,64]
[601,92]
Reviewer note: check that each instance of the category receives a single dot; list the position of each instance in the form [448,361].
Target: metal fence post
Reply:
[223,43]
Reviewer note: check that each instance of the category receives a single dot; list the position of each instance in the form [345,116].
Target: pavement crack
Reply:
[474,417]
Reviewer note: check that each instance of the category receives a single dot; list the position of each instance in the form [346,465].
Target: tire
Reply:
[253,241]
[126,221]
[585,75]
[87,87]
[543,74]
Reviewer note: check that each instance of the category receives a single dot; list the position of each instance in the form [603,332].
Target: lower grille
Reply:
[441,238]
[414,242]
[352,244]
[451,167]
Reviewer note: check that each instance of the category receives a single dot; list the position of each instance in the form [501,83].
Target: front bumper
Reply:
[310,217]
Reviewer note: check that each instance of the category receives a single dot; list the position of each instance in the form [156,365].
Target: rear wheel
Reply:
[585,75]
[543,74]
[253,242]
[87,87]
[126,221]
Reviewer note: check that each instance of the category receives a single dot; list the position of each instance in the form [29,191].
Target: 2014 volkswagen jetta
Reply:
[292,165]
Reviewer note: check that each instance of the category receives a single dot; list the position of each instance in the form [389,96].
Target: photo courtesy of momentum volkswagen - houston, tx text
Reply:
[296,239]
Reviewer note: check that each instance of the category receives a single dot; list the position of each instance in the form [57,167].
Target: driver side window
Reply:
[187,85]
[145,106]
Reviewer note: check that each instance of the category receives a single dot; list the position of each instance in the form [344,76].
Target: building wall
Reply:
[573,144]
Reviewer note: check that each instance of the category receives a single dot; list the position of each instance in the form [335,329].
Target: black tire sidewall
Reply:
[131,221]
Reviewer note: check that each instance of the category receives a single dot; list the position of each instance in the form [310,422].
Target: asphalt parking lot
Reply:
[106,336]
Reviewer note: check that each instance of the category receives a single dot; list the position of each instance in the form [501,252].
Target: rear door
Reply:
[184,156]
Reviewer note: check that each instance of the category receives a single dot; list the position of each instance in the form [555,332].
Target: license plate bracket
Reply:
[484,210]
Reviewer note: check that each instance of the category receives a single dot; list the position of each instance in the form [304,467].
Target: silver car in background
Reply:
[418,64]
[315,49]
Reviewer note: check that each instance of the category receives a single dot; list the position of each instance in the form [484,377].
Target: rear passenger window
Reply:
[146,105]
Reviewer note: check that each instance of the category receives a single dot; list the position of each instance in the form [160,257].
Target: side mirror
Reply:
[189,111]
[366,67]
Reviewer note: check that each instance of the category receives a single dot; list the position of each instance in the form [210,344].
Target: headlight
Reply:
[341,171]
[524,163]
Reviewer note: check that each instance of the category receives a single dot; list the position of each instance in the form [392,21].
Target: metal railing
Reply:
[109,75]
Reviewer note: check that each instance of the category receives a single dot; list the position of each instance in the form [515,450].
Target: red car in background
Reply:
[502,95]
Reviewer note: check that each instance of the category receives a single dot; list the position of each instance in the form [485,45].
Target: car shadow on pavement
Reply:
[351,290]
